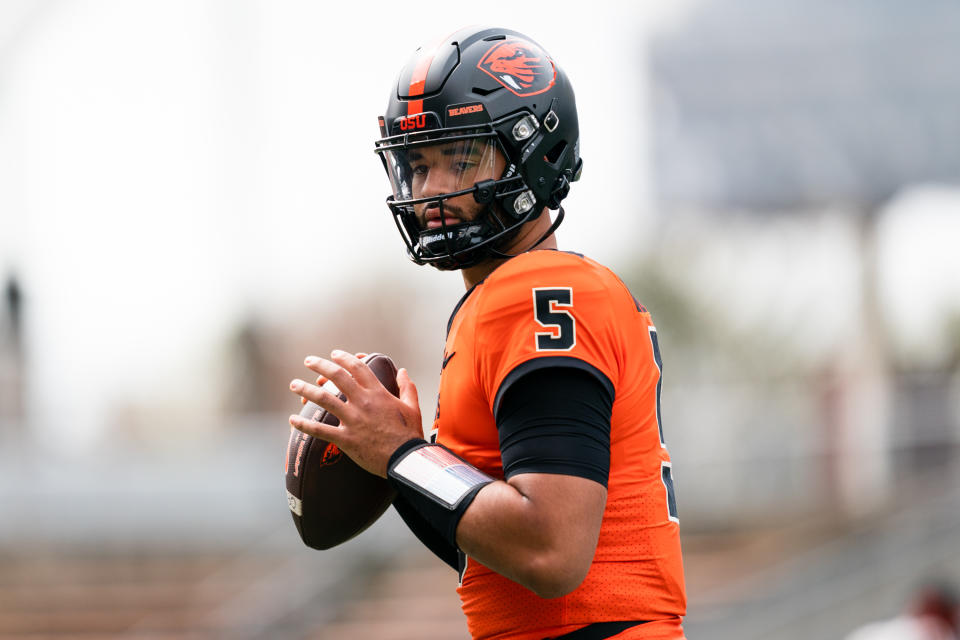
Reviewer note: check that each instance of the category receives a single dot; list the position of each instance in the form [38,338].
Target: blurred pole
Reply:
[861,402]
[11,359]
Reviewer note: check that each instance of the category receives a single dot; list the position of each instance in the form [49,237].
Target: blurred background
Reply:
[190,204]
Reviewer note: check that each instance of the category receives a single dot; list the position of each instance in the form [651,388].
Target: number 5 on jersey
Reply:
[551,311]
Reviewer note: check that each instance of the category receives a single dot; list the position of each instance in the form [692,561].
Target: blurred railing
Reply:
[196,541]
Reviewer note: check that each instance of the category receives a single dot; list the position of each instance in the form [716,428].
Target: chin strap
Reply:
[546,234]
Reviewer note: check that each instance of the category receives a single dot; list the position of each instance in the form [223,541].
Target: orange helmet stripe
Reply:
[418,79]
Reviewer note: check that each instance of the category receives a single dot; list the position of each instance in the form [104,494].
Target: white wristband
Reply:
[439,474]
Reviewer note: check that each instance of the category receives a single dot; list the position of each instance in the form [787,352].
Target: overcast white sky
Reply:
[166,165]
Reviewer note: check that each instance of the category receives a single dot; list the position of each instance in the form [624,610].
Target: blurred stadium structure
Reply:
[792,112]
[780,129]
[801,151]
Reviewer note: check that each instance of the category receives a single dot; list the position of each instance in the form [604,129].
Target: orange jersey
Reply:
[550,304]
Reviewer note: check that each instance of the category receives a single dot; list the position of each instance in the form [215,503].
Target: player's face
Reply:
[448,167]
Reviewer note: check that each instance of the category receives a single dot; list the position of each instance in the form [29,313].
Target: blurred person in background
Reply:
[932,615]
[546,482]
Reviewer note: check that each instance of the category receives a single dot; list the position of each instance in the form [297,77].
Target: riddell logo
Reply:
[520,66]
[461,111]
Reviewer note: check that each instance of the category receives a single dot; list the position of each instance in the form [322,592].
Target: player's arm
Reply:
[540,526]
[539,531]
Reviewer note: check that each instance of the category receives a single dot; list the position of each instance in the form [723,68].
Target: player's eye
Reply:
[419,170]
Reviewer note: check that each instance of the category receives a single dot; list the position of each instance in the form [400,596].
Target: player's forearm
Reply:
[538,529]
[529,536]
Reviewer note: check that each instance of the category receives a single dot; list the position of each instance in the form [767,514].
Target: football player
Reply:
[546,481]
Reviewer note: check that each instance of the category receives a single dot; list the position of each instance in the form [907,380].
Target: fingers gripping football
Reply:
[373,423]
[322,381]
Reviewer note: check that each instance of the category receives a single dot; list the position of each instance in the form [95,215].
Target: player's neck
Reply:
[524,242]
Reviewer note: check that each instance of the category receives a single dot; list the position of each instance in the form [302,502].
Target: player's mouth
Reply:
[435,220]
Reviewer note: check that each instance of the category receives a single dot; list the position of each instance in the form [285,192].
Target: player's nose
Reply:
[438,181]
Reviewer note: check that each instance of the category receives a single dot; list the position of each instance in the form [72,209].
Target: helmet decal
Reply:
[520,66]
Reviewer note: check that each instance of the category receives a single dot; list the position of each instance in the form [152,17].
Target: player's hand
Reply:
[373,423]
[322,380]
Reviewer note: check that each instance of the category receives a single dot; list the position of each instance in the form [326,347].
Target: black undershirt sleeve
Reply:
[425,532]
[556,419]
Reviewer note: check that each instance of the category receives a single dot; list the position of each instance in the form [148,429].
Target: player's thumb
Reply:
[408,390]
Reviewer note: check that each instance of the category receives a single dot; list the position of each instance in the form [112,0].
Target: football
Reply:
[331,498]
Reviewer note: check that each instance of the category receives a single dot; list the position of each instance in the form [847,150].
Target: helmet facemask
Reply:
[448,191]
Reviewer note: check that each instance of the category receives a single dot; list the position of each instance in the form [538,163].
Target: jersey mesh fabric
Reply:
[637,572]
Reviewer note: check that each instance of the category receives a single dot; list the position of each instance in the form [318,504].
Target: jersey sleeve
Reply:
[551,310]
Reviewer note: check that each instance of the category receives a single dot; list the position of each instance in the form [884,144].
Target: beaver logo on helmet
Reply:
[521,66]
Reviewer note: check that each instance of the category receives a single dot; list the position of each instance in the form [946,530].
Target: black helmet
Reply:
[494,105]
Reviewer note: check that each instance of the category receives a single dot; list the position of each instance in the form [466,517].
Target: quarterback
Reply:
[546,481]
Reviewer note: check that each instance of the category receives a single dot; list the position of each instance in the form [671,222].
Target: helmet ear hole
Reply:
[557,152]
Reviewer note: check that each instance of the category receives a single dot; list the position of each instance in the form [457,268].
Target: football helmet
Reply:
[485,113]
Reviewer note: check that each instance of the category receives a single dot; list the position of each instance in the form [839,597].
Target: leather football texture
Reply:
[331,498]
